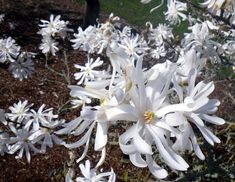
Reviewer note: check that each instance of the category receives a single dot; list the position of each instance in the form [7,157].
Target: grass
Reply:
[134,12]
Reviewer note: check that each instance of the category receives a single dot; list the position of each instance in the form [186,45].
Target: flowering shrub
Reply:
[151,83]
[29,131]
[20,63]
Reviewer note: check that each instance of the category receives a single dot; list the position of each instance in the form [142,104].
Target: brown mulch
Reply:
[45,87]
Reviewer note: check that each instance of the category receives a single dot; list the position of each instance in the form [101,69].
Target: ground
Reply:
[46,87]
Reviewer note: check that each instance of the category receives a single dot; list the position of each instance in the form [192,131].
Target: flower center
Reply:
[103,102]
[149,116]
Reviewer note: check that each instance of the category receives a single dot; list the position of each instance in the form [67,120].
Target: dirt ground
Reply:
[45,87]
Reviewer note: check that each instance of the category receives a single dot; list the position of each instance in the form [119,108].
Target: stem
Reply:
[63,74]
[67,76]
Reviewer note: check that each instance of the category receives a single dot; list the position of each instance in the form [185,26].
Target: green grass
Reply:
[134,12]
[138,14]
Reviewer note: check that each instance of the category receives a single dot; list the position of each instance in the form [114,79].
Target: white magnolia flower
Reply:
[19,111]
[214,6]
[158,52]
[159,34]
[147,97]
[49,45]
[174,12]
[89,118]
[87,72]
[9,50]
[53,27]
[187,61]
[20,143]
[80,101]
[229,48]
[194,107]
[40,117]
[84,39]
[134,46]
[201,40]
[90,175]
[45,135]
[22,67]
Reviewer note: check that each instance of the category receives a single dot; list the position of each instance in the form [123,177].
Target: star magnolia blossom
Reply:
[149,128]
[174,11]
[9,50]
[90,175]
[161,103]
[195,107]
[214,5]
[90,117]
[49,45]
[86,72]
[52,27]
[22,67]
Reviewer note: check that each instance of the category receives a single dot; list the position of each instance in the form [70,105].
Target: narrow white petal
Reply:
[212,119]
[155,169]
[101,136]
[121,112]
[137,160]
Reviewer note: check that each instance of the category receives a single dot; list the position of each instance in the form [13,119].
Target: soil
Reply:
[45,87]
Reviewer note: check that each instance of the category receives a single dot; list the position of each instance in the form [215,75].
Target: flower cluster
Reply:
[9,50]
[20,63]
[50,30]
[30,131]
[162,104]
[90,174]
[165,105]
[224,8]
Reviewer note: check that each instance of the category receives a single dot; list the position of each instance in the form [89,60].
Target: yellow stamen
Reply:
[149,116]
[103,102]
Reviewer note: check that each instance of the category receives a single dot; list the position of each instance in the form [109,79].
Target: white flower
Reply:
[49,45]
[39,118]
[187,61]
[22,67]
[45,135]
[147,97]
[133,46]
[174,11]
[158,52]
[21,143]
[84,39]
[91,176]
[19,111]
[214,6]
[87,72]
[89,118]
[194,107]
[53,27]
[80,101]
[9,50]
[159,34]
[201,40]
